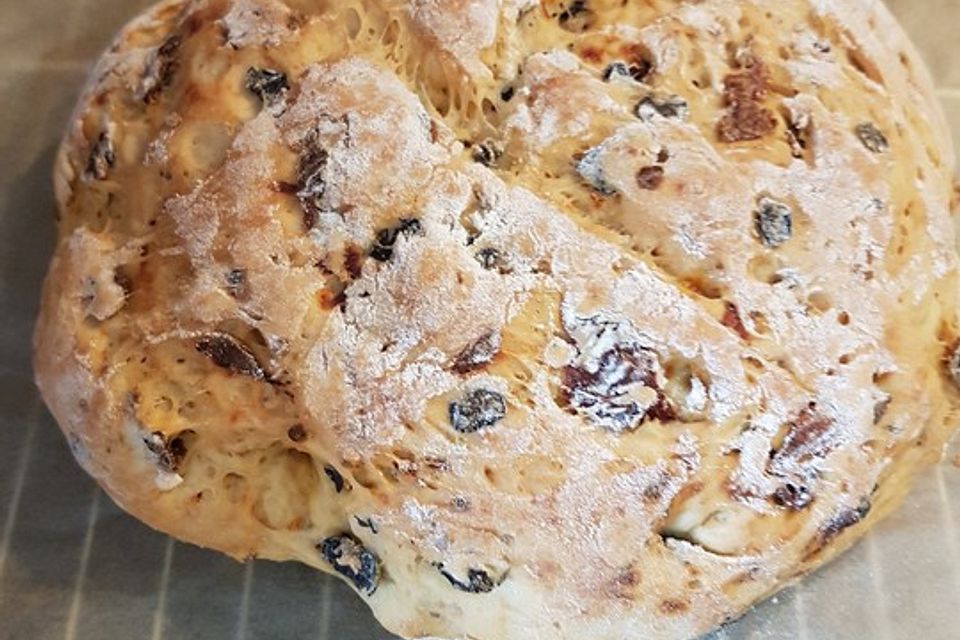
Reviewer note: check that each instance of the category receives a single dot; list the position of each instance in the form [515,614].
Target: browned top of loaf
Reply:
[632,308]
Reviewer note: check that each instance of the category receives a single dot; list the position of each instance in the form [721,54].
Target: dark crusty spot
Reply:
[744,92]
[624,584]
[228,353]
[478,354]
[673,606]
[102,158]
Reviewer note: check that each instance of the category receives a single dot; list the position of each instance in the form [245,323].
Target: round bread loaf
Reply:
[560,319]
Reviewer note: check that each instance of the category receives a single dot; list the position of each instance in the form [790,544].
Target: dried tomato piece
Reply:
[746,118]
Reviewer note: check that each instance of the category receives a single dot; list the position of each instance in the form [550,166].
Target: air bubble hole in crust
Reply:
[353,22]
[392,34]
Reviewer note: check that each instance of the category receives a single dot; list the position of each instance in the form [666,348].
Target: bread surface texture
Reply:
[560,319]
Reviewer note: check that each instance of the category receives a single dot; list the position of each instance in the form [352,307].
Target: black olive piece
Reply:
[590,169]
[490,258]
[477,581]
[774,222]
[237,283]
[102,158]
[311,185]
[792,496]
[670,107]
[410,227]
[620,69]
[123,281]
[487,153]
[880,409]
[228,353]
[266,84]
[872,138]
[367,523]
[162,70]
[170,452]
[616,69]
[348,557]
[335,478]
[381,253]
[507,94]
[952,364]
[479,409]
[387,238]
[575,8]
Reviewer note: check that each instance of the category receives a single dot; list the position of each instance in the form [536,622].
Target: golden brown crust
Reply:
[554,319]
